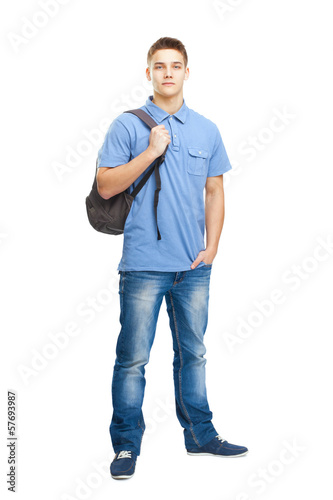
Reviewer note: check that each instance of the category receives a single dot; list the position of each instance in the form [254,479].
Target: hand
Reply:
[206,256]
[158,140]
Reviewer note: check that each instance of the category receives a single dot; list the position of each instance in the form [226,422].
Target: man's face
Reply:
[167,72]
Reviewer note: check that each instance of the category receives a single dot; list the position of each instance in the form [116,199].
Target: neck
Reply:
[169,104]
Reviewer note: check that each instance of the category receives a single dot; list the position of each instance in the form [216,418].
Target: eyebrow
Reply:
[173,62]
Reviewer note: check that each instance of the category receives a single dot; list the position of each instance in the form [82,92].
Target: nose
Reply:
[168,73]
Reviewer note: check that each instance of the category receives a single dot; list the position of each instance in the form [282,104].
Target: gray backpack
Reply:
[109,216]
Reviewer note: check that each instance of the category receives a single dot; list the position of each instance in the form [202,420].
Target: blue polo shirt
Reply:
[196,152]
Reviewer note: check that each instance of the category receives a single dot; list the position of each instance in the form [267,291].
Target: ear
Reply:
[187,74]
[148,74]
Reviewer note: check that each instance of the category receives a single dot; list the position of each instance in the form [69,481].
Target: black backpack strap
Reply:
[143,181]
[148,120]
[140,113]
[156,196]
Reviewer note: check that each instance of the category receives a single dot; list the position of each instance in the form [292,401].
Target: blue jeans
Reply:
[141,294]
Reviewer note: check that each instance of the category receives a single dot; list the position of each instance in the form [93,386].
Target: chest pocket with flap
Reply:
[197,161]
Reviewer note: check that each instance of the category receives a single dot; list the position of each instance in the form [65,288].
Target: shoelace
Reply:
[220,438]
[124,454]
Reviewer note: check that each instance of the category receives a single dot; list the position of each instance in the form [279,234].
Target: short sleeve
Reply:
[219,162]
[116,149]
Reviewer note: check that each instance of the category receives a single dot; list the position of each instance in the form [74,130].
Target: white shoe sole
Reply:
[122,477]
[215,455]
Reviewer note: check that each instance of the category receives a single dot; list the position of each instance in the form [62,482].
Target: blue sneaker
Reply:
[219,447]
[123,465]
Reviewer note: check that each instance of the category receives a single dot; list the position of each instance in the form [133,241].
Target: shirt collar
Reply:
[159,114]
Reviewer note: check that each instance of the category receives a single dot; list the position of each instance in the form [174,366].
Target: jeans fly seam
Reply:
[181,279]
[180,370]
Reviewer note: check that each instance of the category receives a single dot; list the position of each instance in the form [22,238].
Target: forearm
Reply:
[214,215]
[111,181]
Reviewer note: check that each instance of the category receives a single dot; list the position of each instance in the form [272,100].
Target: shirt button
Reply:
[175,135]
[170,117]
[199,152]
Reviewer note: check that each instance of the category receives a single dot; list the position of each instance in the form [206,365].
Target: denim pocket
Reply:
[197,161]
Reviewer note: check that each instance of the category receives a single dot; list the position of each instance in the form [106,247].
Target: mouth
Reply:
[168,84]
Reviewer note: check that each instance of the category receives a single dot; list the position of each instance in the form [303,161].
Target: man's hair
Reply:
[167,43]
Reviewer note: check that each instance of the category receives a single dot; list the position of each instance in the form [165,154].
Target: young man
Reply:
[177,266]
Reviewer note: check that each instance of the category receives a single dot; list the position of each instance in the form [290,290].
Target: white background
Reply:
[269,388]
